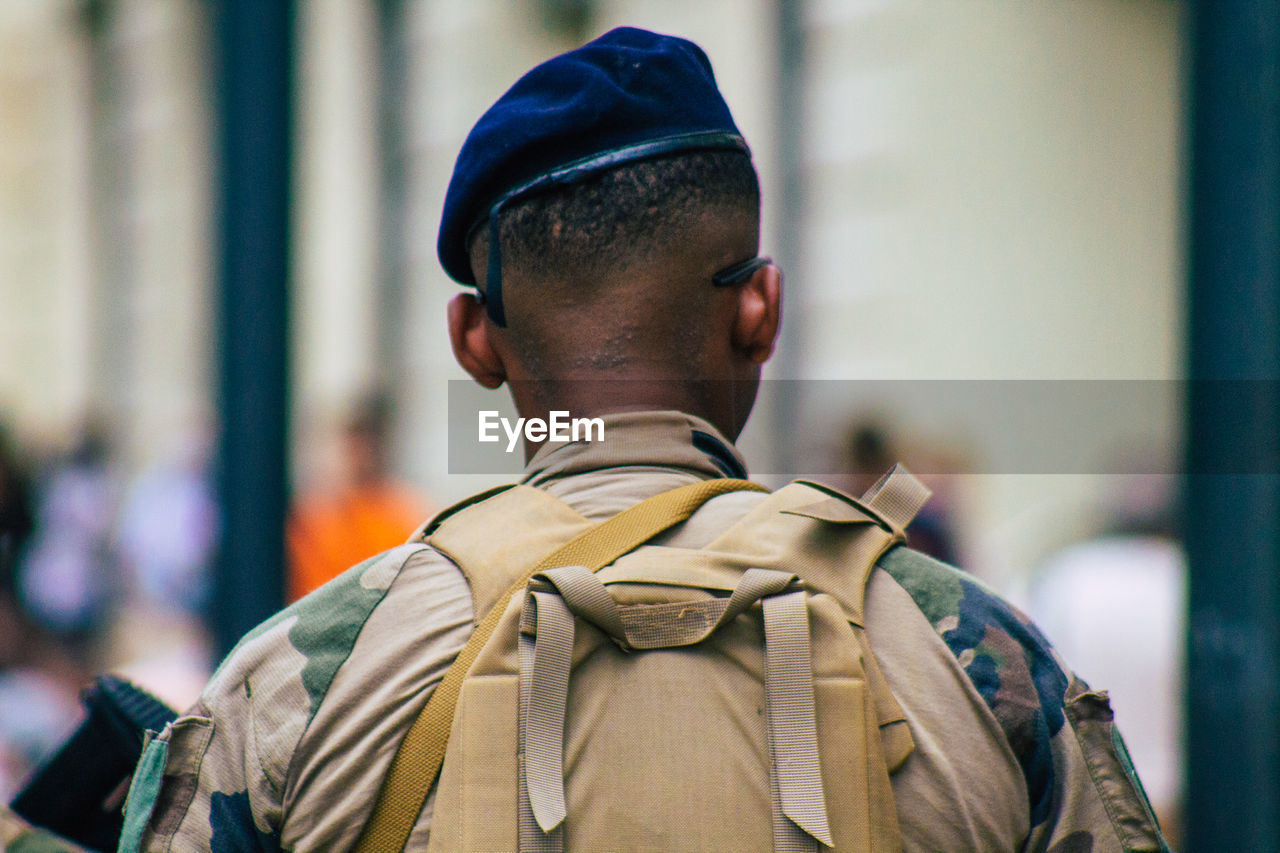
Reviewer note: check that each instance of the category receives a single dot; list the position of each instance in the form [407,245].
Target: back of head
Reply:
[592,205]
[614,273]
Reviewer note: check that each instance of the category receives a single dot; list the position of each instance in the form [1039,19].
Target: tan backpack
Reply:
[619,697]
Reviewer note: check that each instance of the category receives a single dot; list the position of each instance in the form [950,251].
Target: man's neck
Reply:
[641,439]
[713,401]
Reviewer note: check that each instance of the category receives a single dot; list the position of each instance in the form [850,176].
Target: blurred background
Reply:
[224,368]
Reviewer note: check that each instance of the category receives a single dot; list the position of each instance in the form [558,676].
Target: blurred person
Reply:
[16,514]
[606,209]
[870,450]
[39,683]
[54,606]
[69,577]
[364,513]
[168,532]
[168,529]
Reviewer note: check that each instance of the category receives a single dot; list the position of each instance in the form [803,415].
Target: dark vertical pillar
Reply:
[254,49]
[789,124]
[113,239]
[1233,519]
[393,195]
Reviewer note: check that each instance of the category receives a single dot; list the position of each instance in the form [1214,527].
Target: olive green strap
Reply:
[417,763]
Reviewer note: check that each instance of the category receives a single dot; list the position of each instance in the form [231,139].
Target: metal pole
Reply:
[1233,518]
[393,206]
[255,57]
[789,112]
[113,391]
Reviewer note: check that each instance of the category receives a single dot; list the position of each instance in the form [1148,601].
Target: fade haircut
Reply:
[630,213]
[567,253]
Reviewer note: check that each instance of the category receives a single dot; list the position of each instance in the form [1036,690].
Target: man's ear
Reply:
[469,336]
[755,328]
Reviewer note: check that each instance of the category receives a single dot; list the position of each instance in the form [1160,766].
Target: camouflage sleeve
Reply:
[1082,791]
[214,779]
[19,836]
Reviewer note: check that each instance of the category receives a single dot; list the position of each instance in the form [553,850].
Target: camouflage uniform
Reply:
[294,734]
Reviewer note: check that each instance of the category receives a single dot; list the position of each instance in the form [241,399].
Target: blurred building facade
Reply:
[988,190]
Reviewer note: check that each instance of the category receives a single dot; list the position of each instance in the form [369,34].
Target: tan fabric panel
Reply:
[842,719]
[840,569]
[823,553]
[884,831]
[834,557]
[632,719]
[489,784]
[501,655]
[855,776]
[533,524]
[478,786]
[485,725]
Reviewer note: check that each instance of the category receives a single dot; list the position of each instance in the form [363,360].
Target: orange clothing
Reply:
[328,534]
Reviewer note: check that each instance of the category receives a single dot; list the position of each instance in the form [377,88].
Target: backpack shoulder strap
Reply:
[417,763]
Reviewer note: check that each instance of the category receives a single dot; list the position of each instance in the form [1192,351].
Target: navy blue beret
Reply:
[629,95]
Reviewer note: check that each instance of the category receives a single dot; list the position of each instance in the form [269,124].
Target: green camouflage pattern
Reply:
[275,679]
[1029,691]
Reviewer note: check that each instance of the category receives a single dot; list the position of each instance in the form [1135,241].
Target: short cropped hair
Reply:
[629,213]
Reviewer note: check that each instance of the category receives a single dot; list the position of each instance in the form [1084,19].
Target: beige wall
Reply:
[44,263]
[993,190]
[55,272]
[995,196]
[335,203]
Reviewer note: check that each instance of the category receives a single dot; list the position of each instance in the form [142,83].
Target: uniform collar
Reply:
[670,439]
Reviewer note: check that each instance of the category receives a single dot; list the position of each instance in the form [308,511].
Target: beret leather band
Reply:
[572,173]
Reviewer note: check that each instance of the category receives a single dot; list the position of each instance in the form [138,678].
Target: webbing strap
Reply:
[897,497]
[792,714]
[544,720]
[582,591]
[417,763]
[529,836]
[660,626]
[787,837]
